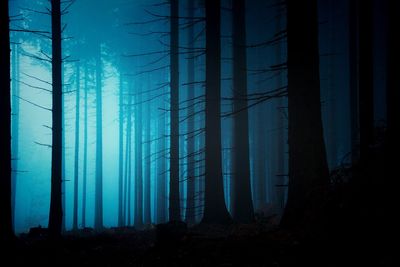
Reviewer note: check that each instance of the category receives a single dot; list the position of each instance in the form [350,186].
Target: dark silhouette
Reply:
[308,169]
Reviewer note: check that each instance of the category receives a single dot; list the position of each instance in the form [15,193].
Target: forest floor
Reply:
[257,244]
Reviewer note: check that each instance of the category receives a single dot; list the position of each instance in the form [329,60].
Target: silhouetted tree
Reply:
[98,210]
[121,218]
[366,78]
[147,168]
[174,203]
[85,147]
[6,229]
[190,190]
[56,211]
[138,218]
[76,157]
[242,202]
[214,203]
[308,169]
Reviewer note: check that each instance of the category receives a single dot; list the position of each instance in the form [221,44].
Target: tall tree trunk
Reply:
[98,212]
[174,203]
[56,211]
[353,78]
[243,210]
[214,202]
[76,165]
[138,220]
[85,143]
[121,153]
[260,173]
[147,169]
[14,129]
[161,169]
[128,161]
[6,229]
[190,205]
[366,81]
[308,168]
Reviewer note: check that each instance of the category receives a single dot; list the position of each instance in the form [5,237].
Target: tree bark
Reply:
[214,202]
[243,210]
[308,169]
[56,211]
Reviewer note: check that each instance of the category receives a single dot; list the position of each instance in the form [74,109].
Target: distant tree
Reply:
[214,203]
[138,216]
[243,210]
[76,156]
[147,167]
[6,228]
[121,219]
[85,146]
[308,169]
[56,212]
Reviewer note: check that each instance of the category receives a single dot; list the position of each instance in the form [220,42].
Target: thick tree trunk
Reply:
[121,154]
[56,211]
[366,79]
[76,164]
[308,170]
[6,229]
[85,143]
[242,202]
[174,204]
[190,190]
[214,202]
[98,211]
[14,129]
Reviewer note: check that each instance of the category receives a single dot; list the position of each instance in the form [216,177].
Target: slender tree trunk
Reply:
[308,169]
[56,211]
[366,81]
[243,210]
[353,78]
[174,204]
[85,143]
[260,175]
[147,171]
[6,229]
[190,190]
[76,167]
[138,221]
[98,212]
[128,161]
[14,129]
[214,202]
[121,154]
[161,176]
[63,176]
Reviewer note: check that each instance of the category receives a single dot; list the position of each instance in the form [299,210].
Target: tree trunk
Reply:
[85,143]
[161,169]
[121,153]
[366,81]
[308,170]
[14,129]
[174,204]
[138,165]
[128,162]
[56,211]
[98,212]
[353,78]
[147,170]
[76,165]
[242,202]
[214,202]
[6,229]
[190,190]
